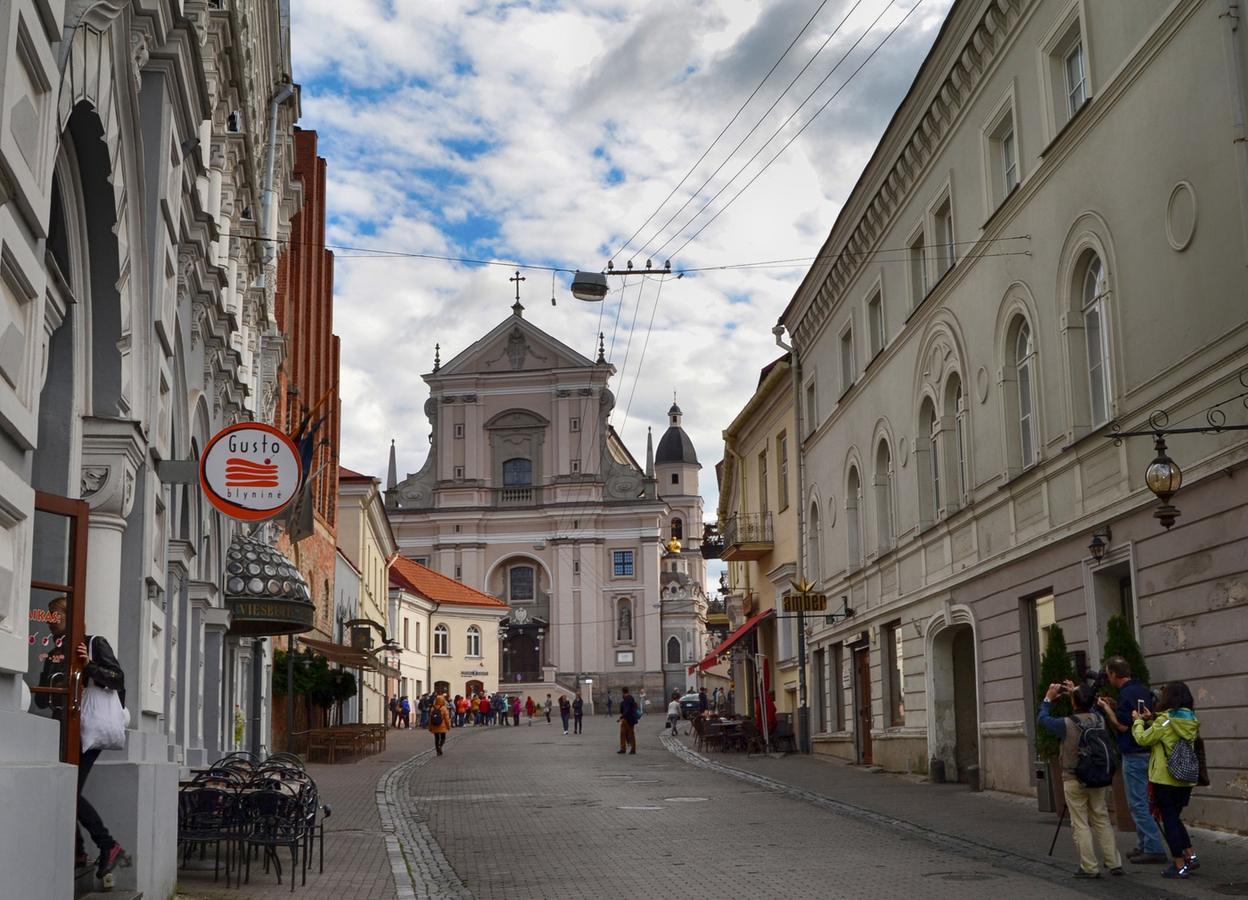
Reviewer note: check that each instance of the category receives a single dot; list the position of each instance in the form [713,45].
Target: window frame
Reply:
[1028,444]
[473,632]
[782,451]
[1067,33]
[623,563]
[442,640]
[508,476]
[532,588]
[849,368]
[1098,304]
[916,260]
[876,334]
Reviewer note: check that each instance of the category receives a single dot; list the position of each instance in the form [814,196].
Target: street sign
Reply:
[250,471]
[805,602]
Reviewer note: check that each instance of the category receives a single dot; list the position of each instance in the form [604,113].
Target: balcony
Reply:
[518,496]
[747,536]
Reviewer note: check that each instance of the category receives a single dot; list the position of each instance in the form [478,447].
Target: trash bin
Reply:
[1045,801]
[936,771]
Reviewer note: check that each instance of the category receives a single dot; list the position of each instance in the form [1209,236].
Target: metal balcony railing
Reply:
[748,528]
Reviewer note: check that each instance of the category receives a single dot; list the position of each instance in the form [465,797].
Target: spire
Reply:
[602,349]
[437,357]
[392,473]
[649,453]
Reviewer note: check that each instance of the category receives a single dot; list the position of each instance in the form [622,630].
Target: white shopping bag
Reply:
[102,722]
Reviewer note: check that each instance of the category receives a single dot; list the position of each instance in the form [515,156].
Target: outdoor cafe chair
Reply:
[751,737]
[275,819]
[284,758]
[208,815]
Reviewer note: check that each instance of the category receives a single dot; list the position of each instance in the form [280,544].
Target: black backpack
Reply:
[435,717]
[1095,767]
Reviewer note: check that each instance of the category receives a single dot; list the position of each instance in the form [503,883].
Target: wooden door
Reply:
[862,660]
[57,578]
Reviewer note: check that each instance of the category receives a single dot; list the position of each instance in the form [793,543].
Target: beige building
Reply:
[529,495]
[367,542]
[1048,244]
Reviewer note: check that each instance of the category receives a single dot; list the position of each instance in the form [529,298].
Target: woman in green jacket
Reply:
[1174,721]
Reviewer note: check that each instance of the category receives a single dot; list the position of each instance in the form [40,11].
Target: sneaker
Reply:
[1117,870]
[1144,859]
[621,751]
[1079,873]
[1192,864]
[634,750]
[82,861]
[108,860]
[1174,872]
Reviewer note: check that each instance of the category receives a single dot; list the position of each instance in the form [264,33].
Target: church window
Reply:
[623,563]
[459,472]
[441,641]
[673,649]
[459,573]
[459,431]
[678,529]
[521,583]
[576,466]
[576,523]
[459,528]
[517,472]
[624,620]
[675,478]
[576,567]
[574,424]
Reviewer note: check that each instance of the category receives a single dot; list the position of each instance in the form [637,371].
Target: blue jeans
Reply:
[1135,780]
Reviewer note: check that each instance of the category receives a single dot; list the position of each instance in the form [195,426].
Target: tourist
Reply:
[565,710]
[405,712]
[578,709]
[394,712]
[1088,813]
[1162,731]
[439,722]
[485,710]
[528,709]
[474,707]
[547,707]
[426,701]
[642,704]
[515,711]
[628,722]
[608,704]
[673,712]
[703,702]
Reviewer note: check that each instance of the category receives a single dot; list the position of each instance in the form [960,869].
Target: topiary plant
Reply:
[1119,641]
[1055,667]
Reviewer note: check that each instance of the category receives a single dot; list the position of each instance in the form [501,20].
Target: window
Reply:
[892,645]
[933,424]
[918,269]
[814,564]
[885,527]
[783,444]
[675,478]
[576,523]
[624,620]
[853,534]
[1009,161]
[459,528]
[847,360]
[1095,291]
[875,323]
[422,561]
[678,530]
[520,583]
[945,256]
[459,431]
[441,641]
[474,641]
[416,633]
[673,649]
[959,427]
[812,411]
[459,473]
[762,484]
[574,425]
[459,573]
[1076,80]
[1024,365]
[623,560]
[517,472]
[406,636]
[576,466]
[576,567]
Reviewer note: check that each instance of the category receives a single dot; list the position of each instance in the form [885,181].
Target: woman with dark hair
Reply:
[1162,731]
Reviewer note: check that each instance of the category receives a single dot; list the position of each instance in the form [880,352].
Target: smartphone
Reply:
[1139,706]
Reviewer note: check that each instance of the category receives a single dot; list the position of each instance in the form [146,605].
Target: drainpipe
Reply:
[267,225]
[1235,81]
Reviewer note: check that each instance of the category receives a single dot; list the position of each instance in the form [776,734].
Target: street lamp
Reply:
[1164,477]
[1100,540]
[589,286]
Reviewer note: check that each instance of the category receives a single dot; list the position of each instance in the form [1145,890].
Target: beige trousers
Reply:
[1088,814]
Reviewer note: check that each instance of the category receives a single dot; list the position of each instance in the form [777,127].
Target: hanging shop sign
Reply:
[805,602]
[250,471]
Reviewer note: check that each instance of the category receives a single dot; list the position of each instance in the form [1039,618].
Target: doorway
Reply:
[955,705]
[862,692]
[522,658]
[474,687]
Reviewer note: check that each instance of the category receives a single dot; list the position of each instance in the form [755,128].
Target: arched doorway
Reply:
[442,687]
[474,687]
[522,658]
[954,736]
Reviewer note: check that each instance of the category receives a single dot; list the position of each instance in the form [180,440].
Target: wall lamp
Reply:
[1100,540]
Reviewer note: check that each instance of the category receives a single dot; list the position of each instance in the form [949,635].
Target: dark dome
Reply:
[675,447]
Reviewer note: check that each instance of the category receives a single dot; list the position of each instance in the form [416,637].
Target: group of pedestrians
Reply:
[1160,749]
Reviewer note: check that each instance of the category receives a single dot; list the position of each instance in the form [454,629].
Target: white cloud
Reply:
[548,132]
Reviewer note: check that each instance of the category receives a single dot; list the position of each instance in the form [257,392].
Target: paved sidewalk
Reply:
[357,865]
[999,823]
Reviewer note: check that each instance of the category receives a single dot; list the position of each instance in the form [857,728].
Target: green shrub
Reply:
[1055,667]
[1119,641]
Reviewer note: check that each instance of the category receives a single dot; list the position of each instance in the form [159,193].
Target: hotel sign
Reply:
[250,471]
[270,616]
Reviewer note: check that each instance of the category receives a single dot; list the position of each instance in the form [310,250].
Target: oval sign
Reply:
[250,471]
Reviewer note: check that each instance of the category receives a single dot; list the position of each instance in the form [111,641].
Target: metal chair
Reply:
[208,815]
[275,819]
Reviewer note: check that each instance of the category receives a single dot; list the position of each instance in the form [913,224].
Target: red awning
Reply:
[711,658]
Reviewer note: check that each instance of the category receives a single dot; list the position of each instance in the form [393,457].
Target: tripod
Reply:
[1059,828]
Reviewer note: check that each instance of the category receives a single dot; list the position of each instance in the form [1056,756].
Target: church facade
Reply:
[529,495]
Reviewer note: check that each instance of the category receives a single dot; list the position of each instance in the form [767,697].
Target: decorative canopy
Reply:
[264,591]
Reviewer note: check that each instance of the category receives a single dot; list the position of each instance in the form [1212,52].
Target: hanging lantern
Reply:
[1164,477]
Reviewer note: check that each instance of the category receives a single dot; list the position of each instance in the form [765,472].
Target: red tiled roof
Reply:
[345,474]
[413,576]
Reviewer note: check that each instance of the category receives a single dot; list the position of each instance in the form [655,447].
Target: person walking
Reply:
[425,702]
[405,712]
[393,706]
[1088,812]
[528,709]
[608,704]
[515,712]
[578,710]
[439,722]
[547,707]
[642,704]
[565,711]
[703,702]
[1163,731]
[673,711]
[628,722]
[1133,694]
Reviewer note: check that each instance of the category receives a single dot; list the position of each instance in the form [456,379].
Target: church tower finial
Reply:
[437,357]
[649,453]
[602,349]
[392,473]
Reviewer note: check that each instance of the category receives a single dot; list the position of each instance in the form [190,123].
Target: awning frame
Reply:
[726,644]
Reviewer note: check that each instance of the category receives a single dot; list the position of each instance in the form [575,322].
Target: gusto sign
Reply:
[250,471]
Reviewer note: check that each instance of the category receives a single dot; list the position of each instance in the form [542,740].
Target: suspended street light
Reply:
[589,286]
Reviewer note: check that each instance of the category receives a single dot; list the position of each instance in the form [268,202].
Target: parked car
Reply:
[690,706]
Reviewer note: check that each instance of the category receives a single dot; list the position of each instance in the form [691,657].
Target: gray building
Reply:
[140,190]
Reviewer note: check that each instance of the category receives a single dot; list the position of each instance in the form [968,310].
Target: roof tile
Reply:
[412,576]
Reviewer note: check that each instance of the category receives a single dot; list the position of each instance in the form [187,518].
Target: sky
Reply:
[547,133]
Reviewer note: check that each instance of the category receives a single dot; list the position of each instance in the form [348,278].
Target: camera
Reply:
[1098,679]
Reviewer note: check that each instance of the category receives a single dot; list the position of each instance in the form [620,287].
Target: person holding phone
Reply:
[1133,697]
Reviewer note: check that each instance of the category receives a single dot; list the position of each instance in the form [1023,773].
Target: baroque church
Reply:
[530,495]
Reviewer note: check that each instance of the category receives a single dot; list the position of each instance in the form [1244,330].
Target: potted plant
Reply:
[1119,641]
[1055,667]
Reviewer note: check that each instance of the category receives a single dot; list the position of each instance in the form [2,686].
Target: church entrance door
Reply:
[522,661]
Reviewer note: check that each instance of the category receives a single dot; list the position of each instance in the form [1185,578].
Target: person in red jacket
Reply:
[529,706]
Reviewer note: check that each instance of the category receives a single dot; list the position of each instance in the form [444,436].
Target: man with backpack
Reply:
[1087,760]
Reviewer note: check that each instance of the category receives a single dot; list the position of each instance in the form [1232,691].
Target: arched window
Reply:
[956,404]
[931,506]
[853,520]
[1024,367]
[885,525]
[518,472]
[520,583]
[1095,292]
[624,620]
[441,641]
[814,564]
[678,529]
[673,649]
[474,641]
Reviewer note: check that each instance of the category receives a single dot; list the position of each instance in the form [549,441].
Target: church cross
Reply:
[517,278]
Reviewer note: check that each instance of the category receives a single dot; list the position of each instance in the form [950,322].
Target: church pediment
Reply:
[517,418]
[515,345]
